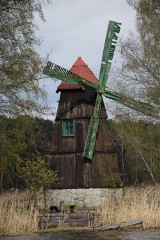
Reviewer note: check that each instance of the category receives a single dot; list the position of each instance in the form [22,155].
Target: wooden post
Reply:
[61,207]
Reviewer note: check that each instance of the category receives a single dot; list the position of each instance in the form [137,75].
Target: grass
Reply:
[16,218]
[137,203]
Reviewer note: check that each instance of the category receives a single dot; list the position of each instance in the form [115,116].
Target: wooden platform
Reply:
[63,219]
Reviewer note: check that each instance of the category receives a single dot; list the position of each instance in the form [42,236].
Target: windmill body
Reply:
[75,109]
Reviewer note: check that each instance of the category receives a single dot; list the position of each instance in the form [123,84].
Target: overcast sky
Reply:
[77,28]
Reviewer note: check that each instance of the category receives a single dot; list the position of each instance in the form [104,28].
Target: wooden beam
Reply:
[123,225]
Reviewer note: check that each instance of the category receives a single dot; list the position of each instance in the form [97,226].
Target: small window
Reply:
[68,127]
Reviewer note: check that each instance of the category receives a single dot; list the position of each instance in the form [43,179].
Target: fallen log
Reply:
[123,225]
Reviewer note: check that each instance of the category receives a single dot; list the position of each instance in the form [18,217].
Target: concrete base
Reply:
[92,197]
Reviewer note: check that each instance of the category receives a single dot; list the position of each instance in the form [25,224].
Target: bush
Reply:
[114,181]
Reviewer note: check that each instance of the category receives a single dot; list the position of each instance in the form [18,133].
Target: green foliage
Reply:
[20,71]
[12,144]
[139,78]
[114,181]
[141,141]
[20,65]
[21,138]
[139,75]
[147,19]
[37,176]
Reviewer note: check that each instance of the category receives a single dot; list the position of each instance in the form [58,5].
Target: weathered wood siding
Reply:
[76,104]
[76,144]
[77,172]
[67,152]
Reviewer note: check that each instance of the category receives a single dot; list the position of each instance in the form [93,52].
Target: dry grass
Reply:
[138,202]
[15,217]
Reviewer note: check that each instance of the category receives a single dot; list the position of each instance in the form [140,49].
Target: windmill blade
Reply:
[93,129]
[110,41]
[139,106]
[60,73]
[108,50]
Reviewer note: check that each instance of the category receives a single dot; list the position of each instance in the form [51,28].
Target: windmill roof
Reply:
[80,68]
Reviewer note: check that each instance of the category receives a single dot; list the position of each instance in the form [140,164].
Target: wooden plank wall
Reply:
[67,152]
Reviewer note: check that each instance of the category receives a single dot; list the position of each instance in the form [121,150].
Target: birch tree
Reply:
[139,74]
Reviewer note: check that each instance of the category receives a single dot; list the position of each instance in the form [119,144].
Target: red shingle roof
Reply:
[80,68]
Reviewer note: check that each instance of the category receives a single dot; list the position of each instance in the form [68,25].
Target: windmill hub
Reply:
[101,89]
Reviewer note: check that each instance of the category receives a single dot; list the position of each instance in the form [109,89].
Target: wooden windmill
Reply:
[83,151]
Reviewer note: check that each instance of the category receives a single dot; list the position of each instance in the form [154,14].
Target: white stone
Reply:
[91,197]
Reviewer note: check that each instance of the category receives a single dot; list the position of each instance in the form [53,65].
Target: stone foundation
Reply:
[92,197]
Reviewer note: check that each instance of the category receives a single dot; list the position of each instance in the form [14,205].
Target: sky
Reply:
[77,28]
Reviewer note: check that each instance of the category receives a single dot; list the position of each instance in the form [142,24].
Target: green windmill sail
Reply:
[107,56]
[99,90]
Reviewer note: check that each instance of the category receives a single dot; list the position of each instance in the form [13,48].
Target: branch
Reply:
[147,166]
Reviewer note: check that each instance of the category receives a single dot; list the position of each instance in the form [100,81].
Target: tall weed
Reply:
[16,218]
[137,203]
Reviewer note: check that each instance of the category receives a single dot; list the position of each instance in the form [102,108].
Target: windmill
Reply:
[96,91]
